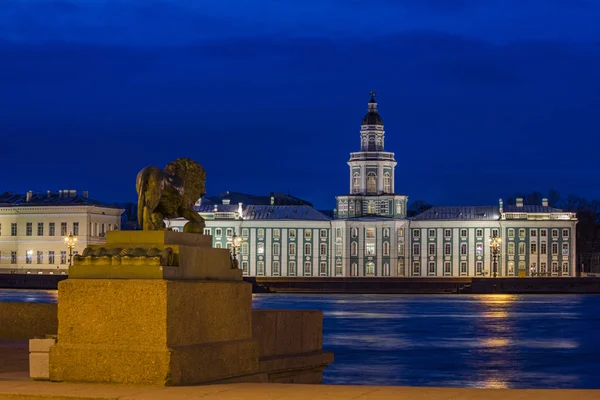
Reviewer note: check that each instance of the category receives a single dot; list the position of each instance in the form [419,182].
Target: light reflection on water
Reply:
[479,341]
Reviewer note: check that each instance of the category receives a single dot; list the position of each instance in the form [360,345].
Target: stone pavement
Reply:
[15,384]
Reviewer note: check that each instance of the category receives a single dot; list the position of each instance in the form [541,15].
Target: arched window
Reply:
[387,183]
[379,143]
[399,208]
[372,144]
[354,249]
[372,182]
[276,249]
[354,232]
[356,183]
[386,248]
[338,267]
[370,268]
[400,267]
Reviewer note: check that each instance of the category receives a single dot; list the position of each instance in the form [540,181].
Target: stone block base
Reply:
[153,366]
[39,358]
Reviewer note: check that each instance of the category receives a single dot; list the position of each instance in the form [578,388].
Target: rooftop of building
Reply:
[251,199]
[49,198]
[264,212]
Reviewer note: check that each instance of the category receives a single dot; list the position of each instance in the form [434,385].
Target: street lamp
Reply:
[237,242]
[70,242]
[495,242]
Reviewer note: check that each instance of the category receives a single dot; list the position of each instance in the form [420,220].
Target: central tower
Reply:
[371,189]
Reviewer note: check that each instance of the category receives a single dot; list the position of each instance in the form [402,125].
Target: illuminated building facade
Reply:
[33,227]
[370,234]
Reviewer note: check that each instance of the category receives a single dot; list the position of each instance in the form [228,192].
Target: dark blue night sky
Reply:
[480,99]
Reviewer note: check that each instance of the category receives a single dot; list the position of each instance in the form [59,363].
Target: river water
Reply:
[493,341]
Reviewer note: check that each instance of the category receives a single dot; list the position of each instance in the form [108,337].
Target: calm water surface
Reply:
[497,341]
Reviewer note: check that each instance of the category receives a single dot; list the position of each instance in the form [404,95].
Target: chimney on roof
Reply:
[85,194]
[226,200]
[501,205]
[519,202]
[272,198]
[544,202]
[48,193]
[28,196]
[240,210]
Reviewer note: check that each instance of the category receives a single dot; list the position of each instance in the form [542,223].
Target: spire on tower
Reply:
[372,117]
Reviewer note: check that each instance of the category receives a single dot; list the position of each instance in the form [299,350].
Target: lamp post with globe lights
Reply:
[237,242]
[495,242]
[70,242]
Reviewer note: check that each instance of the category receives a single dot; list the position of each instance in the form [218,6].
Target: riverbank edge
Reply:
[370,285]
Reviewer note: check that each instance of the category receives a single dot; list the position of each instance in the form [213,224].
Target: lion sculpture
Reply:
[170,193]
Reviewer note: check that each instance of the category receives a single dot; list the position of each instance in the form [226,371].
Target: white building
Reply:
[33,227]
[370,234]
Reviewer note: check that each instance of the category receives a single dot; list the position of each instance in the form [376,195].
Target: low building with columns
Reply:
[33,227]
[369,233]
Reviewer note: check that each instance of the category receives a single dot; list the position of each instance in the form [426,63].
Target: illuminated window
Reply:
[565,248]
[533,248]
[371,207]
[511,268]
[50,257]
[292,248]
[370,249]
[511,233]
[292,234]
[400,233]
[521,264]
[245,267]
[371,182]
[400,249]
[511,249]
[521,233]
[521,249]
[356,183]
[244,233]
[28,256]
[260,248]
[307,234]
[479,268]
[260,268]
[416,268]
[387,183]
[370,268]
[370,233]
[276,249]
[307,268]
[276,234]
[245,248]
[260,233]
[479,249]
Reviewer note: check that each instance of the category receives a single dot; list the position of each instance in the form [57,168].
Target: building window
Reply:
[338,233]
[521,233]
[370,233]
[479,233]
[292,234]
[338,267]
[260,233]
[323,233]
[447,268]
[40,230]
[51,229]
[432,233]
[511,249]
[245,233]
[554,233]
[554,268]
[370,249]
[416,268]
[400,233]
[543,248]
[275,267]
[322,268]
[276,234]
[386,249]
[387,183]
[218,245]
[76,228]
[431,270]
[356,183]
[479,249]
[13,229]
[50,257]
[416,249]
[63,229]
[399,208]
[416,233]
[40,257]
[463,233]
[533,232]
[565,268]
[400,249]
[13,257]
[28,256]
[354,270]
[307,234]
[371,182]
[511,268]
[245,248]
[533,248]
[565,233]
[447,249]
[260,268]
[400,267]
[386,232]
[463,268]
[511,233]
[218,232]
[354,249]
[533,267]
[521,264]
[323,249]
[521,249]
[276,249]
[543,268]
[29,229]
[354,232]
[307,249]
[565,249]
[554,249]
[431,249]
[229,233]
[370,268]
[307,268]
[260,248]
[207,231]
[543,233]
[292,268]
[339,249]
[463,249]
[386,269]
[371,207]
[245,267]
[63,257]
[495,232]
[479,268]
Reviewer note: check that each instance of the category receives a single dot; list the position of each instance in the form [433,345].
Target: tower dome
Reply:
[372,116]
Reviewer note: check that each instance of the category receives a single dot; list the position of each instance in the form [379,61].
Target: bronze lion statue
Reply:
[170,193]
